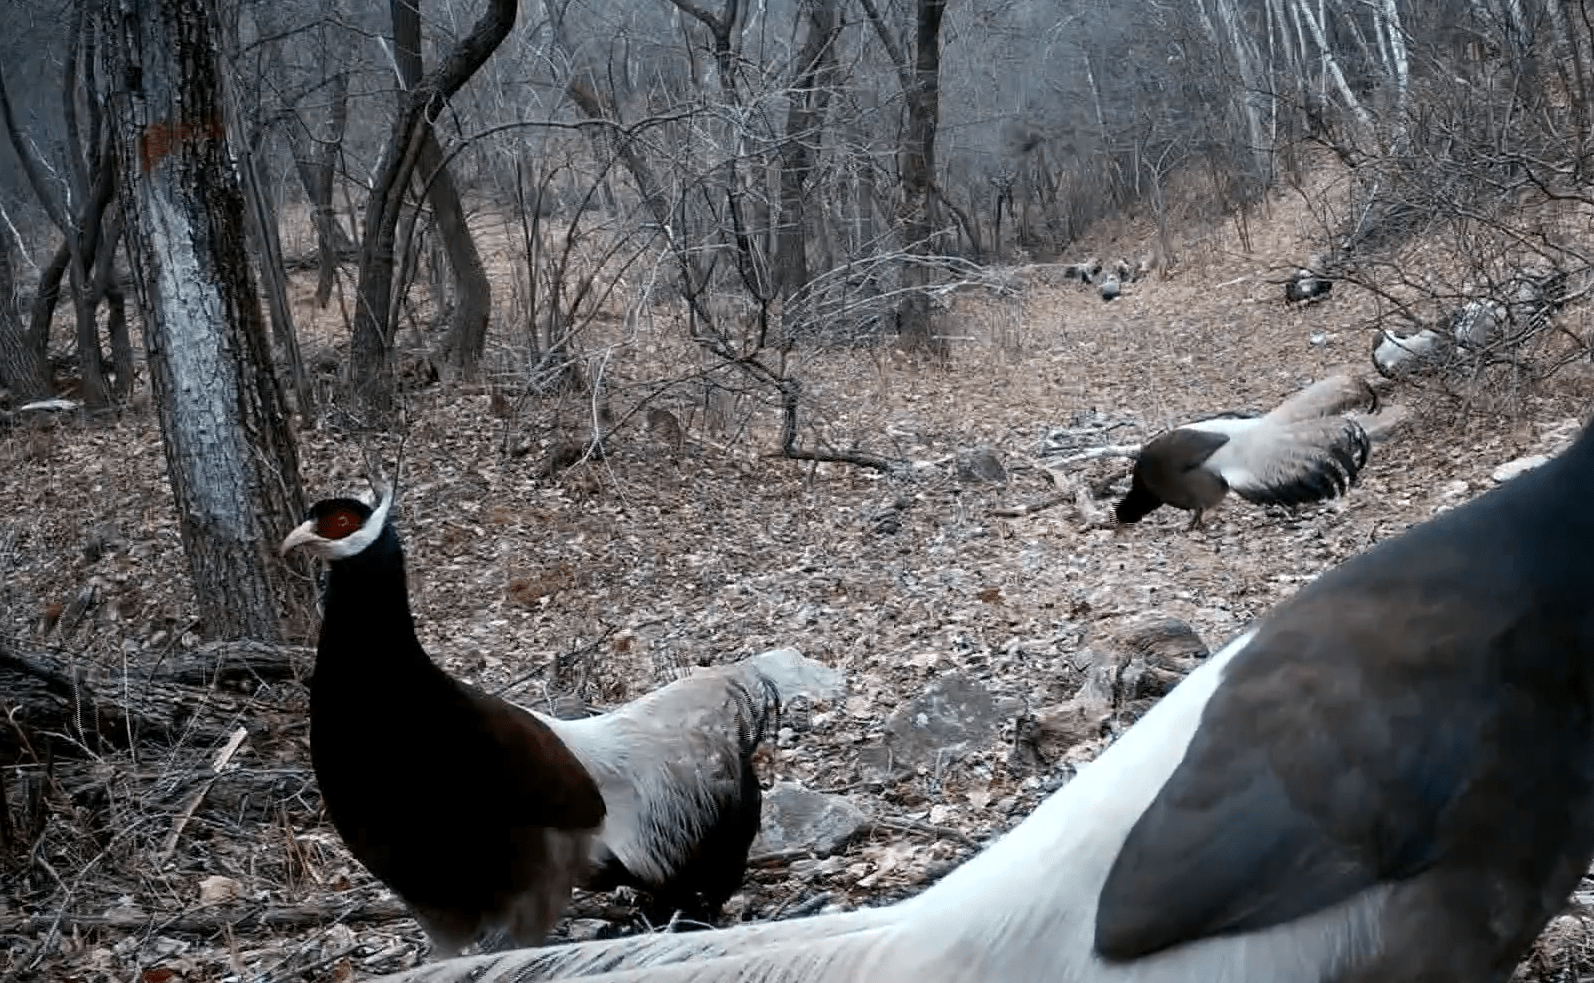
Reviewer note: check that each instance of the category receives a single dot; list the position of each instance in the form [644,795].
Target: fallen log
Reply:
[59,707]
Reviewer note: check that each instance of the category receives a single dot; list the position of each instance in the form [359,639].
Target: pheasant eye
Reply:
[338,525]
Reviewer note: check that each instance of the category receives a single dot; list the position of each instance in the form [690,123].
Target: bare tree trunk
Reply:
[22,369]
[1568,47]
[616,146]
[810,98]
[81,278]
[229,451]
[1245,58]
[1389,15]
[1332,65]
[90,357]
[466,339]
[315,156]
[467,329]
[122,365]
[45,300]
[921,86]
[76,214]
[372,340]
[107,288]
[323,168]
[595,107]
[751,260]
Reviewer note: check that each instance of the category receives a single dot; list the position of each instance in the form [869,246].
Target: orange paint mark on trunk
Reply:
[159,140]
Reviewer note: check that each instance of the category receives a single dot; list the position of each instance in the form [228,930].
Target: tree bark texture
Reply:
[805,118]
[22,370]
[371,344]
[917,160]
[230,454]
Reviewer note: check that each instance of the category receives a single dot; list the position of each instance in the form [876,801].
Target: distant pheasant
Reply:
[1306,287]
[1303,451]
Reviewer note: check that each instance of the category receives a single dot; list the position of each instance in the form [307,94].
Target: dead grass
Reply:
[606,583]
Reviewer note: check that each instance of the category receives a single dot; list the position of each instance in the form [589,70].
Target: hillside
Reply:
[611,580]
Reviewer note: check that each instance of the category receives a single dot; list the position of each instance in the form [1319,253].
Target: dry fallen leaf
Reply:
[217,889]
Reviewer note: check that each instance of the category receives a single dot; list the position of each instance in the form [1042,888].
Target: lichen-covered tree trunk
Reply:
[22,369]
[230,454]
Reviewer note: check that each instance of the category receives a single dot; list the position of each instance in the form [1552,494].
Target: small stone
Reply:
[798,818]
[981,464]
[586,929]
[1511,469]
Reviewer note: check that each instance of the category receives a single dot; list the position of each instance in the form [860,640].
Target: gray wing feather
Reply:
[1294,463]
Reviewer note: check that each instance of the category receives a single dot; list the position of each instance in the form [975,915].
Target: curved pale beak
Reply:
[303,533]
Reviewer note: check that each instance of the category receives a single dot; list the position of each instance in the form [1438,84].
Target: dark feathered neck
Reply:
[366,628]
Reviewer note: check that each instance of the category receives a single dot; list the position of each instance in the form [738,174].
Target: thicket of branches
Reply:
[798,171]
[758,182]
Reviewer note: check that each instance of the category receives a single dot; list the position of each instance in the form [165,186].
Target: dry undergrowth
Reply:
[609,580]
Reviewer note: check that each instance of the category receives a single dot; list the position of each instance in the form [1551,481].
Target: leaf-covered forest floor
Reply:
[607,581]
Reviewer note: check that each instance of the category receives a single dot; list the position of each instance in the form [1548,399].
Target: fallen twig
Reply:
[913,826]
[809,906]
[1015,511]
[776,858]
[208,921]
[216,768]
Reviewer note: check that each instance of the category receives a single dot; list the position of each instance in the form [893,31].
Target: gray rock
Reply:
[981,464]
[953,716]
[588,929]
[1521,465]
[798,818]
